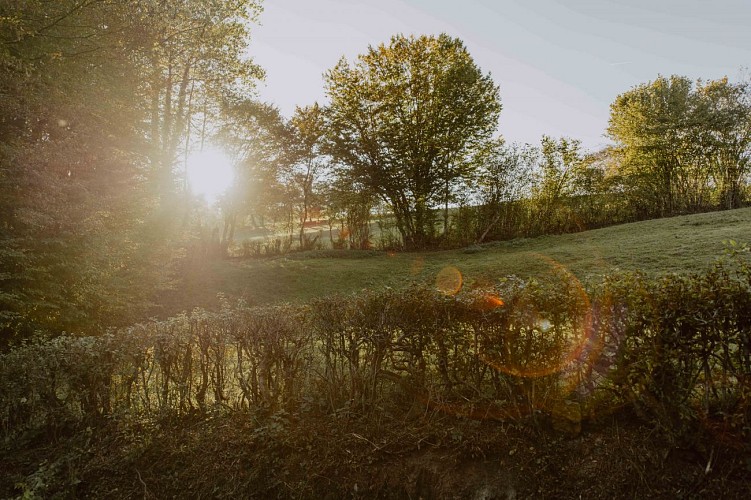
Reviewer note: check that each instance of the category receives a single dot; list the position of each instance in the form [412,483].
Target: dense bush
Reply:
[677,350]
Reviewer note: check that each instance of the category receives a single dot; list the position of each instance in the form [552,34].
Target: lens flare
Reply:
[449,281]
[544,325]
[491,301]
[558,348]
[535,336]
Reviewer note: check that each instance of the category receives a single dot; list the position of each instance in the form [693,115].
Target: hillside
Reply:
[677,244]
[409,393]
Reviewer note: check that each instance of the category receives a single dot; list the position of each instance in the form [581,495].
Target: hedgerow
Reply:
[675,350]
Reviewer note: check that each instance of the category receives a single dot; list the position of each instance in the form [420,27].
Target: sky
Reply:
[559,64]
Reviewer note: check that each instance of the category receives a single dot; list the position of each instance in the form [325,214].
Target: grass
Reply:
[677,244]
[428,453]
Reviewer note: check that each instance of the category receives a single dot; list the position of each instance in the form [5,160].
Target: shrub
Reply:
[677,350]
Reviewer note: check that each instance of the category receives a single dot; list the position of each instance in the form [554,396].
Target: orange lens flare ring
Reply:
[449,281]
[582,347]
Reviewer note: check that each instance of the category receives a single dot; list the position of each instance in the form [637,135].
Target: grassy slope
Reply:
[432,455]
[676,244]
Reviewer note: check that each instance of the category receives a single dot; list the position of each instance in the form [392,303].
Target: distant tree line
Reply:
[408,142]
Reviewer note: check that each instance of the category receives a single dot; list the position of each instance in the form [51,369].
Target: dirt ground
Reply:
[277,456]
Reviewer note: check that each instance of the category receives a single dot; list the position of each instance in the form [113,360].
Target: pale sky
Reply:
[559,64]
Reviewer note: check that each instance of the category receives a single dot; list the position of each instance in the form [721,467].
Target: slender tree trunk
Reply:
[446,211]
[155,121]
[492,223]
[303,219]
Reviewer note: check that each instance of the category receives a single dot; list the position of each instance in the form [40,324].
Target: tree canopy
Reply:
[96,102]
[407,120]
[678,140]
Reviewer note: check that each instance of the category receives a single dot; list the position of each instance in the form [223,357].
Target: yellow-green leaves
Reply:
[406,120]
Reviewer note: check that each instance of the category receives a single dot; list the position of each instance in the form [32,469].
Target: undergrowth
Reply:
[380,369]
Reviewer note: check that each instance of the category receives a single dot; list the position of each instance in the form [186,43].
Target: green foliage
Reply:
[678,142]
[675,349]
[256,135]
[504,183]
[95,100]
[406,121]
[683,361]
[308,162]
[559,161]
[69,176]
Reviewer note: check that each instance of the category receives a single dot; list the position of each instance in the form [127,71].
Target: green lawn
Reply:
[676,244]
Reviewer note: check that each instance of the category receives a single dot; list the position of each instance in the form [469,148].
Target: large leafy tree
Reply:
[406,121]
[68,171]
[650,124]
[725,109]
[679,141]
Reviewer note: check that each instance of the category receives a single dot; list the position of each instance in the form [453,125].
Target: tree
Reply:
[678,141]
[192,56]
[648,123]
[559,161]
[256,135]
[69,170]
[406,121]
[726,114]
[350,205]
[596,198]
[306,158]
[81,122]
[504,181]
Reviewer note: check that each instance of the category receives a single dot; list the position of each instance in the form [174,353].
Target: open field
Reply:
[677,244]
[408,394]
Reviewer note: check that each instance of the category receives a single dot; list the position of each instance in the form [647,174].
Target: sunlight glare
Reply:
[210,173]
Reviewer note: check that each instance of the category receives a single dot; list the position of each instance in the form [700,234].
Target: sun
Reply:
[210,173]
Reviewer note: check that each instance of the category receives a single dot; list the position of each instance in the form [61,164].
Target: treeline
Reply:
[407,144]
[675,350]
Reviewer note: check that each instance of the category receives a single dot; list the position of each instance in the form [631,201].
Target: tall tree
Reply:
[649,123]
[679,141]
[69,168]
[256,135]
[306,158]
[559,161]
[192,54]
[504,181]
[726,117]
[406,120]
